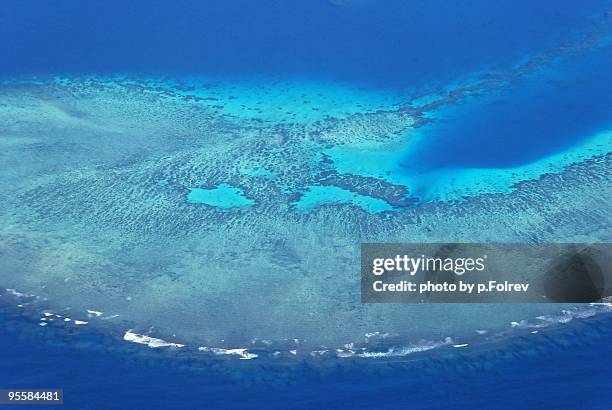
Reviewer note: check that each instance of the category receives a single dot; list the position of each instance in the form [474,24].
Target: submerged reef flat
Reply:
[99,215]
[226,216]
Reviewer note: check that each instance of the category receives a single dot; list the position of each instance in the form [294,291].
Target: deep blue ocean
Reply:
[569,371]
[393,43]
[411,47]
[533,118]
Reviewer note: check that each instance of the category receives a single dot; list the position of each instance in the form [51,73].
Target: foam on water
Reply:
[374,345]
[153,342]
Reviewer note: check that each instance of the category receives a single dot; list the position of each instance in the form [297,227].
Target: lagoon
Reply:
[223,196]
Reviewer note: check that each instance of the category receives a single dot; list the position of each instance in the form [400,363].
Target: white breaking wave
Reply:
[409,349]
[148,340]
[242,353]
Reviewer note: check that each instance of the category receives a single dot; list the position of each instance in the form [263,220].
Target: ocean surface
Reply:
[569,371]
[185,187]
[412,44]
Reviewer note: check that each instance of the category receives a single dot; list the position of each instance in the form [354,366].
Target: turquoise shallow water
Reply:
[318,195]
[223,196]
[289,99]
[389,162]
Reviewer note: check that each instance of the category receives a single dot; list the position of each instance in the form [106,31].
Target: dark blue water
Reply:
[393,43]
[530,119]
[547,372]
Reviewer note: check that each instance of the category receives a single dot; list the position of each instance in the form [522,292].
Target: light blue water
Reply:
[223,196]
[317,195]
[289,99]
